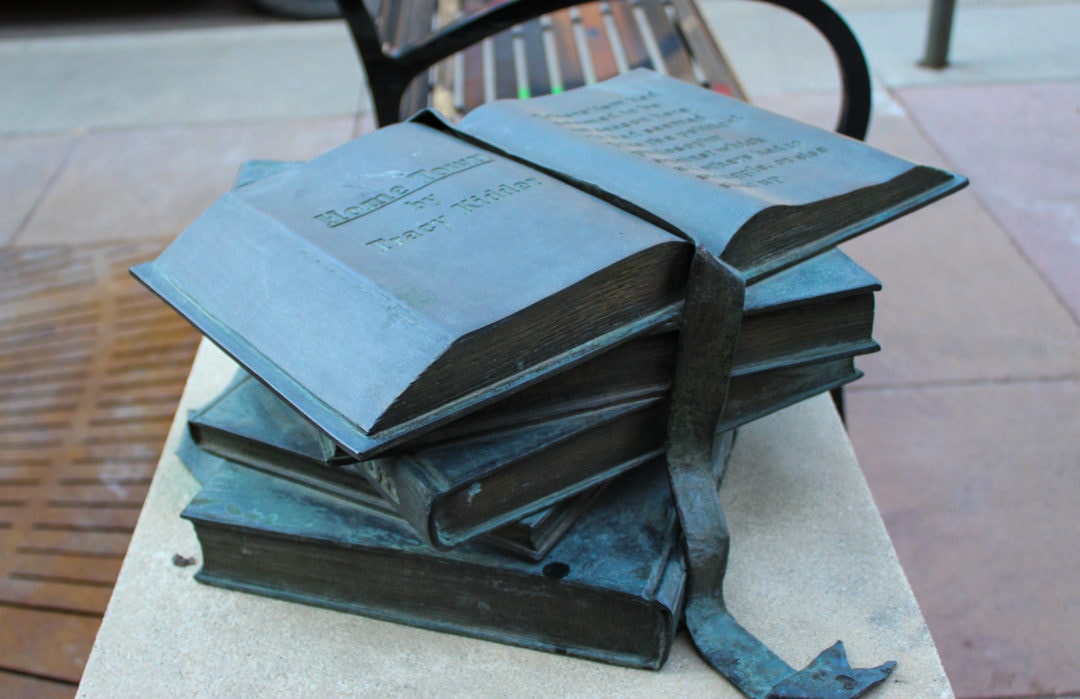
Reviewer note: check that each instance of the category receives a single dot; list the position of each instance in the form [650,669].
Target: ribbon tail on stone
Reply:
[830,675]
[710,327]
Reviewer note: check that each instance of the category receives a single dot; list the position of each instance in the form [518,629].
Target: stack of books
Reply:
[458,346]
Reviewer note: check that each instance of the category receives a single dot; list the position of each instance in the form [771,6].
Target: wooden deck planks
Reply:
[91,368]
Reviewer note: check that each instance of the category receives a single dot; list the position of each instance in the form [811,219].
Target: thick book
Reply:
[249,424]
[454,491]
[817,309]
[757,394]
[415,274]
[275,537]
[530,537]
[458,489]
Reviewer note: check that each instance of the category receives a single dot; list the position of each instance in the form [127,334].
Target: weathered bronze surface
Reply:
[714,304]
[610,590]
[237,427]
[396,284]
[367,297]
[359,285]
[757,189]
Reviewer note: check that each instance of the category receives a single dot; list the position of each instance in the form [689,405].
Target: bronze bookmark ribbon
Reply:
[710,329]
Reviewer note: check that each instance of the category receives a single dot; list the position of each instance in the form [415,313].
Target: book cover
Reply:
[405,274]
[530,537]
[457,490]
[274,537]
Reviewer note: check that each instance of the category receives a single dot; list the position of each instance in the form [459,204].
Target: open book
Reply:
[419,273]
[760,190]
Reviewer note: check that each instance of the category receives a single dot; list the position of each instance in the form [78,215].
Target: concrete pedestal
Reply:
[811,563]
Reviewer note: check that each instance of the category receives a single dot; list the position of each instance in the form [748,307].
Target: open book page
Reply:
[703,163]
[347,282]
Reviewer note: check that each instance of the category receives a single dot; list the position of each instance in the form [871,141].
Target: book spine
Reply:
[408,487]
[292,467]
[753,396]
[419,590]
[562,469]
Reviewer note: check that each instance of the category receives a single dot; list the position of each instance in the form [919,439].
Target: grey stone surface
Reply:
[991,42]
[805,64]
[27,166]
[811,563]
[272,71]
[1028,42]
[149,184]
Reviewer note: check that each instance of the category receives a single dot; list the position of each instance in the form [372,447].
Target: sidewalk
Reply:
[966,423]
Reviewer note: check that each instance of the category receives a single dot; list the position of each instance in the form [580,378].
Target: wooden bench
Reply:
[457,54]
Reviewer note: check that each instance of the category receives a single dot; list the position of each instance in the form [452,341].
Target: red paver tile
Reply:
[979,488]
[1020,144]
[959,302]
[46,644]
[91,368]
[14,686]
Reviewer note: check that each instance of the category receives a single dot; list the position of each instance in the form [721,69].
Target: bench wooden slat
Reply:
[566,50]
[474,77]
[673,56]
[707,53]
[577,36]
[601,52]
[503,67]
[539,79]
[390,22]
[637,54]
[416,95]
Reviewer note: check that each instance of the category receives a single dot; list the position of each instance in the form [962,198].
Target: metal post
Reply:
[937,34]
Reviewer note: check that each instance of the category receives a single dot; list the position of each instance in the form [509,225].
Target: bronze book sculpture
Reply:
[406,280]
[370,286]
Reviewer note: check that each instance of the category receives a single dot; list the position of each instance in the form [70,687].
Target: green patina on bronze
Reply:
[711,318]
